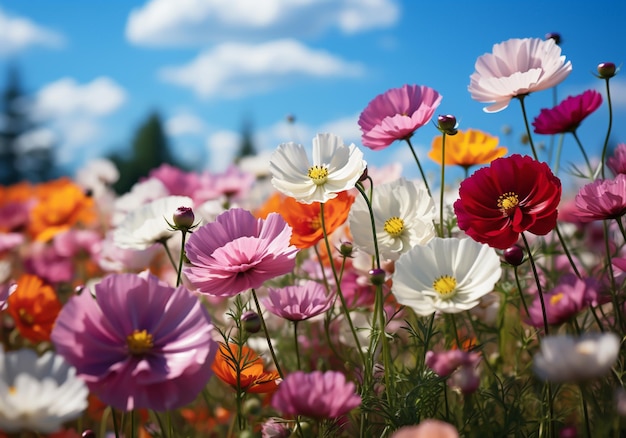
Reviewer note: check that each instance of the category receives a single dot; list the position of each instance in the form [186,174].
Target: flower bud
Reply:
[447,124]
[252,406]
[346,248]
[568,432]
[88,433]
[183,218]
[275,428]
[606,70]
[514,255]
[251,321]
[377,276]
[554,36]
[363,176]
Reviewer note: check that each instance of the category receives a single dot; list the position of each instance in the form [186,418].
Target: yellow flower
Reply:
[467,148]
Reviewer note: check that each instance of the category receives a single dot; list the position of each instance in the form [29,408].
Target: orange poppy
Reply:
[34,306]
[467,148]
[305,219]
[60,205]
[230,362]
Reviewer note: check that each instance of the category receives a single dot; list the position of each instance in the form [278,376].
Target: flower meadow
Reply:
[329,297]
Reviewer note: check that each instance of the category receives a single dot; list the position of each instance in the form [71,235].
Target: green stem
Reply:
[372,222]
[539,289]
[267,334]
[181,258]
[608,132]
[582,149]
[521,291]
[559,149]
[408,140]
[566,251]
[168,252]
[521,98]
[296,343]
[340,293]
[116,426]
[443,170]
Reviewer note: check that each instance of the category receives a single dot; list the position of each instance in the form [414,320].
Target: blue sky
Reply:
[96,69]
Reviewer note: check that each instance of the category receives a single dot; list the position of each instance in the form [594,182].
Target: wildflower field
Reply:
[329,297]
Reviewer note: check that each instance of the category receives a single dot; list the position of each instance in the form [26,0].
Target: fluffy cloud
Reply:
[184,123]
[66,97]
[234,70]
[193,22]
[18,34]
[222,146]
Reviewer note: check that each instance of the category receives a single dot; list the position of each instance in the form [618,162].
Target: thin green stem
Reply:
[566,251]
[582,150]
[267,334]
[340,293]
[443,179]
[181,258]
[168,252]
[608,131]
[521,291]
[559,149]
[296,343]
[521,98]
[372,222]
[531,259]
[116,426]
[408,140]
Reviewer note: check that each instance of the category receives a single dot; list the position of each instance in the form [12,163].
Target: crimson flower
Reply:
[567,115]
[512,195]
[397,114]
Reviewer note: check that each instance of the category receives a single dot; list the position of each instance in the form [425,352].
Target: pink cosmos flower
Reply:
[517,67]
[427,429]
[617,162]
[564,301]
[238,252]
[8,241]
[299,302]
[176,181]
[397,114]
[459,366]
[567,115]
[316,395]
[46,262]
[140,344]
[602,199]
[72,243]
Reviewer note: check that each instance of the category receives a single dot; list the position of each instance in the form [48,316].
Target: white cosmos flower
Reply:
[38,393]
[517,67]
[147,225]
[403,215]
[448,275]
[335,167]
[564,358]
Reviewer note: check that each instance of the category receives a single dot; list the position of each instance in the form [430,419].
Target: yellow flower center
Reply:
[139,342]
[507,202]
[445,286]
[318,174]
[394,226]
[554,299]
[25,317]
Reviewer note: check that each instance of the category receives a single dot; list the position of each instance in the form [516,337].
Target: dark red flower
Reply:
[567,115]
[512,195]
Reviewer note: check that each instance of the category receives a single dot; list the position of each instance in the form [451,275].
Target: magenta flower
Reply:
[397,114]
[299,302]
[567,115]
[238,252]
[564,301]
[602,199]
[617,162]
[140,344]
[316,395]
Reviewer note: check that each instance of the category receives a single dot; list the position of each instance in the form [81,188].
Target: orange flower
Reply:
[305,219]
[229,360]
[467,148]
[34,306]
[61,204]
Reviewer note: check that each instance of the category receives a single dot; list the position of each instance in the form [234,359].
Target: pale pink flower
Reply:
[460,367]
[617,162]
[517,67]
[602,199]
[396,114]
[298,302]
[238,252]
[316,395]
[427,429]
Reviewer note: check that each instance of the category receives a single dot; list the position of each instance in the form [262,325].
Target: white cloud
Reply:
[233,69]
[194,22]
[222,147]
[66,97]
[184,123]
[18,34]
